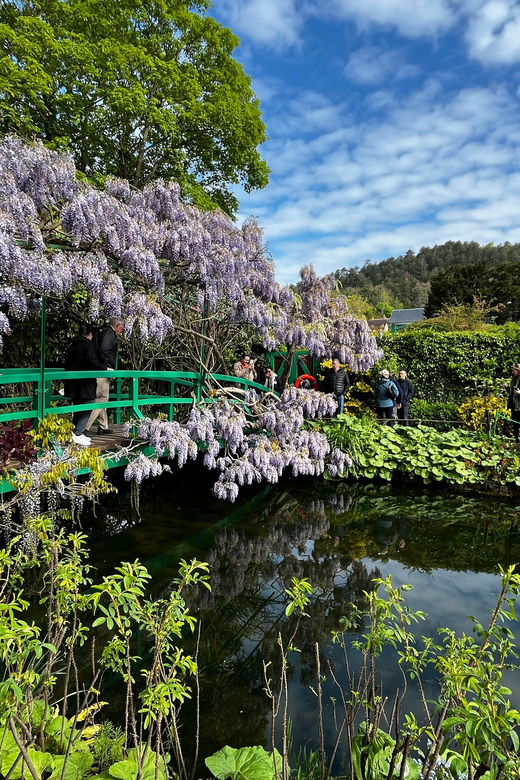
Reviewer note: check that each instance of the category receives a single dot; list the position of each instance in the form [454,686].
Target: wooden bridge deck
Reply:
[108,442]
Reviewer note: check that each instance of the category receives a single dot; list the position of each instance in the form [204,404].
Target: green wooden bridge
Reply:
[34,393]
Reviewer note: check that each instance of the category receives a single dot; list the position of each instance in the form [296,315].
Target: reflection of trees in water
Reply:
[423,529]
[244,615]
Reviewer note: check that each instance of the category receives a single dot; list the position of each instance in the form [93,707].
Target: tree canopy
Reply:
[498,285]
[139,89]
[404,281]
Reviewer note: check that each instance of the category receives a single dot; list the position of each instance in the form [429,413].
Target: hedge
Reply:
[452,366]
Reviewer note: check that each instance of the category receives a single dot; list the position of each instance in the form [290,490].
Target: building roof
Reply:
[404,316]
[378,323]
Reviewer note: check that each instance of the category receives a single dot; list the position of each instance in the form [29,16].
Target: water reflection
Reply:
[338,537]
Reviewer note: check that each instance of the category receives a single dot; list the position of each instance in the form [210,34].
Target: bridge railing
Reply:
[34,392]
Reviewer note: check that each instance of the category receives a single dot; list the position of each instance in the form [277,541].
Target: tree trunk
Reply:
[291,351]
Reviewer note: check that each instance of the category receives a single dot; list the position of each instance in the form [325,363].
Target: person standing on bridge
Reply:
[81,356]
[245,369]
[105,342]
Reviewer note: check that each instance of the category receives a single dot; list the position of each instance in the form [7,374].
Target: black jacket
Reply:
[336,381]
[105,343]
[81,356]
[407,391]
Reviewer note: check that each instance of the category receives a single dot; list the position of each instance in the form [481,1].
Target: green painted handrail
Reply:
[43,402]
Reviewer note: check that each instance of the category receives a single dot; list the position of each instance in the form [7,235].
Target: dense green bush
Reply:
[435,410]
[452,366]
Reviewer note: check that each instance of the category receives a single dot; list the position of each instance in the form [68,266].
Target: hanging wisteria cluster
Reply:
[321,322]
[246,442]
[126,248]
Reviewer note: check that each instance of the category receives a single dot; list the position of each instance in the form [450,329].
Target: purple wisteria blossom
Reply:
[248,441]
[120,238]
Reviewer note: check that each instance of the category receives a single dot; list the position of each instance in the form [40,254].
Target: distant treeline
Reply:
[405,281]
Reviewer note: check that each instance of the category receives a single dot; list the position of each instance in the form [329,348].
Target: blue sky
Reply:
[393,124]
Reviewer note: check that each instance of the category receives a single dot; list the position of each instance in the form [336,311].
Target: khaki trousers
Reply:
[102,394]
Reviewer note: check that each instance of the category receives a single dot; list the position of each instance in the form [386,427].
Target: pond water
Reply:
[339,536]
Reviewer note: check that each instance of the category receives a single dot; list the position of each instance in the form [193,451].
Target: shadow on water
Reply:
[448,546]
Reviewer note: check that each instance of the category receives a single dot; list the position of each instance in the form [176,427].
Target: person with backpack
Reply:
[105,343]
[386,394]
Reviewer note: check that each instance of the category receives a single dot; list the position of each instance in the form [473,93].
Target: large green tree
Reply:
[497,285]
[135,88]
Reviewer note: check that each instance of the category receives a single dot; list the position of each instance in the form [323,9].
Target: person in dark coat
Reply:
[513,401]
[407,393]
[260,371]
[336,382]
[105,343]
[81,356]
[272,380]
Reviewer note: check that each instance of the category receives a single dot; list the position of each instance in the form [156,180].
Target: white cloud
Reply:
[493,33]
[413,18]
[435,168]
[274,23]
[490,28]
[373,65]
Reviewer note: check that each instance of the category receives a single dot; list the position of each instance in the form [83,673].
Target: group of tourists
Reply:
[91,350]
[392,396]
[249,367]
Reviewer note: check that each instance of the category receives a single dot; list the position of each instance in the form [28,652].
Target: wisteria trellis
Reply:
[125,247]
[243,448]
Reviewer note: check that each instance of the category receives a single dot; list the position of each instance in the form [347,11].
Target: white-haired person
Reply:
[105,343]
[386,394]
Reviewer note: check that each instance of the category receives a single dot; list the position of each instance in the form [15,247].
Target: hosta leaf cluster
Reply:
[456,457]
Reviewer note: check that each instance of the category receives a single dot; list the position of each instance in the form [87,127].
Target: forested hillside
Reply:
[404,281]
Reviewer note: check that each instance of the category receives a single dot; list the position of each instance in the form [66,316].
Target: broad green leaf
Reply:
[247,763]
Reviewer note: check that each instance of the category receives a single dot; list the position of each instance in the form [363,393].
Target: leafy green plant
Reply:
[246,763]
[436,410]
[456,457]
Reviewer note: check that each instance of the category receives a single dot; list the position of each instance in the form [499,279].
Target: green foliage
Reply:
[476,733]
[107,746]
[404,281]
[247,763]
[452,366]
[468,317]
[134,89]
[147,766]
[437,410]
[462,285]
[457,457]
[33,699]
[475,411]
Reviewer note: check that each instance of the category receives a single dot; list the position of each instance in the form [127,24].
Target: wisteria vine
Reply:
[248,442]
[127,248]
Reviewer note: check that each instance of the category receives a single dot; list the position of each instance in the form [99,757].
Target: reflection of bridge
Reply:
[33,393]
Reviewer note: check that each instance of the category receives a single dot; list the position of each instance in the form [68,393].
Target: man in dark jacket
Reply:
[336,382]
[81,356]
[105,342]
[407,393]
